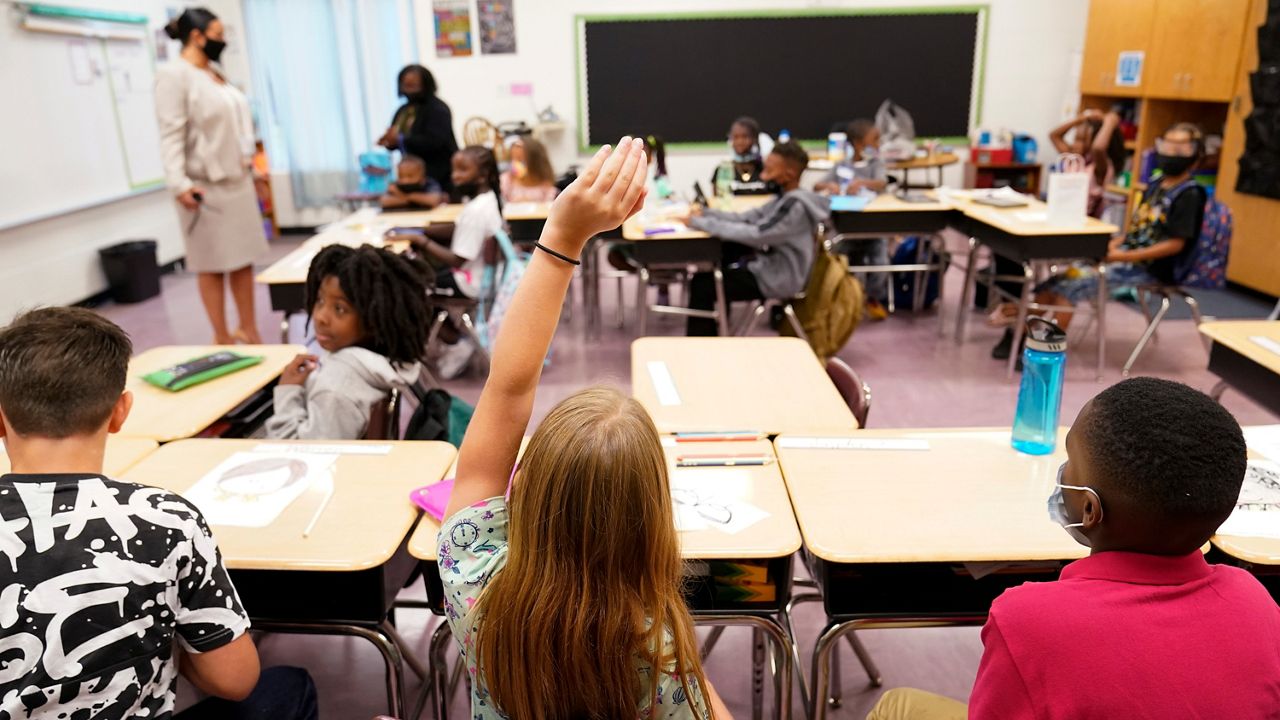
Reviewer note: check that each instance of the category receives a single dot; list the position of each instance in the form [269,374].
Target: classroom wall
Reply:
[55,261]
[1031,69]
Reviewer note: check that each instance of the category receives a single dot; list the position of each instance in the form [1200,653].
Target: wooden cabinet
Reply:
[1115,26]
[1255,242]
[1195,49]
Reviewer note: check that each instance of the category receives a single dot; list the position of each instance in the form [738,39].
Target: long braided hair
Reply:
[488,165]
[388,292]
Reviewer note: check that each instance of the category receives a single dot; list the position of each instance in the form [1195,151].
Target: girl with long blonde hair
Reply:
[567,599]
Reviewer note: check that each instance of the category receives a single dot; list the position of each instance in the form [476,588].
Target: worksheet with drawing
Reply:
[251,489]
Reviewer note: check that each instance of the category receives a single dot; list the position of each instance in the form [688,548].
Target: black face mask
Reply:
[213,49]
[412,187]
[415,97]
[772,187]
[470,189]
[1173,165]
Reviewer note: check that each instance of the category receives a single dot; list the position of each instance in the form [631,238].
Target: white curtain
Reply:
[324,80]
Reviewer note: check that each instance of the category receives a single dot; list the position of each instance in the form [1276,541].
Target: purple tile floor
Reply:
[918,380]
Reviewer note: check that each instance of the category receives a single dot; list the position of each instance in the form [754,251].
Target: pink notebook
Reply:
[434,498]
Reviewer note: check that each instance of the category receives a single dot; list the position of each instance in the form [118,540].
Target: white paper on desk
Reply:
[664,386]
[1031,216]
[521,208]
[1257,512]
[850,443]
[325,449]
[1266,342]
[251,489]
[1264,440]
[713,498]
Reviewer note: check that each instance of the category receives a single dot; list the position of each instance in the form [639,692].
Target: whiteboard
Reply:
[79,127]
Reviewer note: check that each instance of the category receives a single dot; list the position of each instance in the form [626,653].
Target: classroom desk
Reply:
[341,579]
[936,161]
[889,215]
[286,278]
[772,542]
[736,384]
[905,537]
[1010,232]
[122,454]
[1243,364]
[163,416]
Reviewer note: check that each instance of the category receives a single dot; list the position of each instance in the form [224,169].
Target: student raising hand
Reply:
[609,191]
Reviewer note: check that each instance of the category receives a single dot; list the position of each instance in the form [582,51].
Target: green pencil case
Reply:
[200,369]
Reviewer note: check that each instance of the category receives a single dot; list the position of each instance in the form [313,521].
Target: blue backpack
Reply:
[1205,266]
[904,283]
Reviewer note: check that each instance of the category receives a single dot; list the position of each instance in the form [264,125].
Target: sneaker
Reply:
[876,311]
[455,358]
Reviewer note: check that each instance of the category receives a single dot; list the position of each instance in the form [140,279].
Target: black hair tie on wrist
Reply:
[556,255]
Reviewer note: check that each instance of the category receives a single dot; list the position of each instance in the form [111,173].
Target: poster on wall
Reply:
[497,27]
[453,27]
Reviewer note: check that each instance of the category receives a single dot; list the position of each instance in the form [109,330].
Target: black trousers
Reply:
[739,284]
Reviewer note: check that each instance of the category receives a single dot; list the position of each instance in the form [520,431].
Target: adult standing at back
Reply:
[423,126]
[206,137]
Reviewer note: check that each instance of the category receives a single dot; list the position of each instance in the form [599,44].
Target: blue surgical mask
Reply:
[1058,509]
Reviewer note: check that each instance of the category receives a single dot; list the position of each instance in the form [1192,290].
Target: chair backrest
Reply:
[384,418]
[479,131]
[856,393]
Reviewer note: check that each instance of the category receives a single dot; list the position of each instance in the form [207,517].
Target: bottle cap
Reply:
[1045,336]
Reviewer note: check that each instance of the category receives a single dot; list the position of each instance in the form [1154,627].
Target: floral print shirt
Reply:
[473,547]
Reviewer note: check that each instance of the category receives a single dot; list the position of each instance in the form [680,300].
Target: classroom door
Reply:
[1195,49]
[1115,26]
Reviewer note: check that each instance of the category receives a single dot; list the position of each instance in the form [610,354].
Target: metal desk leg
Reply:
[392,654]
[722,307]
[944,264]
[712,638]
[966,292]
[919,286]
[284,328]
[757,674]
[1020,324]
[642,302]
[439,670]
[777,638]
[1103,295]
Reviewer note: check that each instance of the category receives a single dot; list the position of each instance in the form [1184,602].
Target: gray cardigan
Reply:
[337,399]
[782,230]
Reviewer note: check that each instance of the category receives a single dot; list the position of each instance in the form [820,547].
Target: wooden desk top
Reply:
[969,497]
[1236,334]
[1014,220]
[526,211]
[634,228]
[366,226]
[163,416]
[774,536]
[930,161]
[890,202]
[763,384]
[361,527]
[122,454]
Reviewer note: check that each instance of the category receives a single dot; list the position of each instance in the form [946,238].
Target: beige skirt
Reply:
[226,233]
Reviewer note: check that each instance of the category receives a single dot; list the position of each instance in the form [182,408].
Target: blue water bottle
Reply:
[1035,425]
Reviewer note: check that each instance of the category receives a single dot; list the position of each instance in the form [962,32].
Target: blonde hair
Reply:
[537,163]
[593,578]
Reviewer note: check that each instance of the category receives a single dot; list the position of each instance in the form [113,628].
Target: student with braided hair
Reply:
[369,307]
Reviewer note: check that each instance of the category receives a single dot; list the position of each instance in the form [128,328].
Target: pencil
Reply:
[324,503]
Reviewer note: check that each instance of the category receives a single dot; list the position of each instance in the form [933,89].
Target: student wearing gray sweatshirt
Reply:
[781,232]
[370,310]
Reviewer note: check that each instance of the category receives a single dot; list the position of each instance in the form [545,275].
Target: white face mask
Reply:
[1058,509]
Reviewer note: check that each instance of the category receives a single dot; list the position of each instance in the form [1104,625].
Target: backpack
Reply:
[832,304]
[439,416]
[501,289]
[904,283]
[1205,265]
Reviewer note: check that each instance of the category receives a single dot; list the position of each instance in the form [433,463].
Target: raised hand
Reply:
[609,191]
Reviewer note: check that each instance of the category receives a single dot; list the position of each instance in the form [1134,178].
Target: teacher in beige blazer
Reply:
[206,134]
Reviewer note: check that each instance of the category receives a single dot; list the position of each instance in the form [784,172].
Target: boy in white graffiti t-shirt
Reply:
[108,590]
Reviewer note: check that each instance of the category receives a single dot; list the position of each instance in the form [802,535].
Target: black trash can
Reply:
[131,270]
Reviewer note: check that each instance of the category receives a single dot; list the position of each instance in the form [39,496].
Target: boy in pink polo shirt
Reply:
[1143,627]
